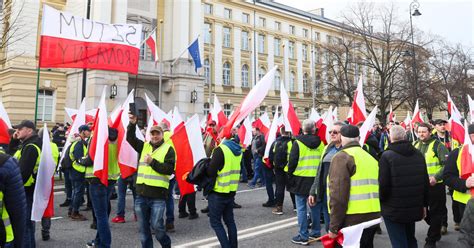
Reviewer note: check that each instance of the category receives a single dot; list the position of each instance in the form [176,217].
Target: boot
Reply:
[66,203]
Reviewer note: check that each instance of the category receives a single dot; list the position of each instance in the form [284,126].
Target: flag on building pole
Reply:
[290,118]
[189,148]
[194,52]
[69,41]
[99,147]
[44,178]
[151,42]
[5,124]
[367,126]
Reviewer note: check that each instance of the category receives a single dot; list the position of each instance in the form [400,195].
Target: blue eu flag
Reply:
[194,51]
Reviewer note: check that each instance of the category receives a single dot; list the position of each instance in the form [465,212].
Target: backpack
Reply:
[280,157]
[66,163]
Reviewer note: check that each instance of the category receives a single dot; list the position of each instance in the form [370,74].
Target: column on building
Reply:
[271,54]
[217,56]
[237,63]
[299,68]
[286,65]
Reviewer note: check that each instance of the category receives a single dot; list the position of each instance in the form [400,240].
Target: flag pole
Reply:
[37,86]
[161,65]
[151,32]
[174,61]
[84,71]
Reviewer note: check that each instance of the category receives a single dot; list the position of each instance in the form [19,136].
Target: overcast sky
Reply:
[451,19]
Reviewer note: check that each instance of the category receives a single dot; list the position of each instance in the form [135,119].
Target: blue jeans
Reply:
[100,196]
[268,173]
[402,235]
[243,171]
[77,180]
[68,183]
[221,207]
[257,170]
[301,207]
[29,233]
[170,203]
[122,193]
[150,213]
[323,207]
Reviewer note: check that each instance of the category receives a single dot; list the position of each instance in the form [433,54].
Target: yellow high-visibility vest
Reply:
[432,161]
[146,174]
[17,155]
[75,165]
[309,159]
[6,221]
[228,178]
[459,196]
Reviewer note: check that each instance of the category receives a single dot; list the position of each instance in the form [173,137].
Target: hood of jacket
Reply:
[233,146]
[403,147]
[309,140]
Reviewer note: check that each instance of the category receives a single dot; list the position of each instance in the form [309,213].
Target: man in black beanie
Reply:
[353,187]
[452,178]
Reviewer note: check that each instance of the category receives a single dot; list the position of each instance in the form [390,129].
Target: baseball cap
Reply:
[156,129]
[439,121]
[84,128]
[25,123]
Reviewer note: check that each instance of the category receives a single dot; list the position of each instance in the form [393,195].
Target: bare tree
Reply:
[10,25]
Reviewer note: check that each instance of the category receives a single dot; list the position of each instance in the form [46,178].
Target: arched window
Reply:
[226,74]
[305,83]
[207,71]
[292,81]
[261,72]
[277,80]
[206,108]
[227,109]
[245,76]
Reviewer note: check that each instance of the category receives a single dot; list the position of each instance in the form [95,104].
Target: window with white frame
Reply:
[291,48]
[305,32]
[206,30]
[317,36]
[207,71]
[206,108]
[278,26]
[292,29]
[262,22]
[277,80]
[227,13]
[263,110]
[261,43]
[45,105]
[245,40]
[226,74]
[305,52]
[226,36]
[261,72]
[306,112]
[317,57]
[208,9]
[292,81]
[305,83]
[245,76]
[227,109]
[245,18]
[277,46]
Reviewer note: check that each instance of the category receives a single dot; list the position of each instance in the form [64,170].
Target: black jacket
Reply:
[279,160]
[403,181]
[165,168]
[14,198]
[27,162]
[198,176]
[259,143]
[300,185]
[451,173]
[373,148]
[466,238]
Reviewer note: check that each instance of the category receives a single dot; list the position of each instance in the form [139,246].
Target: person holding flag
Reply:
[25,146]
[157,164]
[353,187]
[452,178]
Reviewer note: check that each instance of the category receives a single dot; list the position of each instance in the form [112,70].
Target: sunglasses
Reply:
[333,132]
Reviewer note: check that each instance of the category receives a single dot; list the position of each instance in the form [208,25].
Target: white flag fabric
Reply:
[79,120]
[352,234]
[272,133]
[471,108]
[99,147]
[367,126]
[43,185]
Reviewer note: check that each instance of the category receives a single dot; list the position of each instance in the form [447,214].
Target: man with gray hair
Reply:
[403,187]
[303,163]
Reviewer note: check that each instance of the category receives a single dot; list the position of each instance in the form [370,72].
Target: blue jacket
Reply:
[14,197]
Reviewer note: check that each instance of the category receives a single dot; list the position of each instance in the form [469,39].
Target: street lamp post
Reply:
[414,6]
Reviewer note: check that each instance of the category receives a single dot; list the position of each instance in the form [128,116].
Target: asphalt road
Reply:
[257,226]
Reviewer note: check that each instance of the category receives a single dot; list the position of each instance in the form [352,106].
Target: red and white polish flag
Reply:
[391,114]
[156,116]
[263,123]
[349,237]
[189,148]
[277,121]
[367,126]
[359,112]
[471,108]
[467,157]
[90,114]
[69,41]
[5,124]
[217,114]
[335,114]
[416,115]
[99,147]
[176,120]
[314,116]
[151,42]
[290,118]
[245,132]
[457,129]
[44,179]
[78,120]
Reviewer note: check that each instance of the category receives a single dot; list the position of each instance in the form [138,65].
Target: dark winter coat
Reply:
[300,185]
[14,198]
[403,181]
[466,239]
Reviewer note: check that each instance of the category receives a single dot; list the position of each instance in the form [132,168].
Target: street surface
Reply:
[256,225]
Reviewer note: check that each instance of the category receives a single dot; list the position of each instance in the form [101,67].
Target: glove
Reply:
[86,161]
